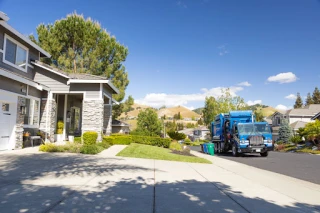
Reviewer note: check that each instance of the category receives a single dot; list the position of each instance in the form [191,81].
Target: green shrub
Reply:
[91,149]
[50,147]
[104,144]
[127,139]
[78,140]
[176,135]
[175,146]
[60,126]
[72,147]
[90,138]
[279,142]
[296,139]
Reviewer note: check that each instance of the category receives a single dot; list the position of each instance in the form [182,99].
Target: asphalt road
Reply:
[298,165]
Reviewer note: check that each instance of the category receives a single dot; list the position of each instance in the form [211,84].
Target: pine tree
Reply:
[79,45]
[299,102]
[316,96]
[285,132]
[309,99]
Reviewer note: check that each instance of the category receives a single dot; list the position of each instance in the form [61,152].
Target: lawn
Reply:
[152,152]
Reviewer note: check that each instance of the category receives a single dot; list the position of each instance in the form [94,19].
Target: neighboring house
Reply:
[297,118]
[202,133]
[316,117]
[34,96]
[296,125]
[120,127]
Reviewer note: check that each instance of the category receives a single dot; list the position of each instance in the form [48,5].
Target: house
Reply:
[296,118]
[34,96]
[316,117]
[120,127]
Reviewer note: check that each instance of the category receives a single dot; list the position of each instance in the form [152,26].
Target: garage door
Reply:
[5,125]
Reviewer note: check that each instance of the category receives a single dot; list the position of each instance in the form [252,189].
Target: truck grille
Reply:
[256,140]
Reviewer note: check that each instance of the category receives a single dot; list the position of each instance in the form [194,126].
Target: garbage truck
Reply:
[239,132]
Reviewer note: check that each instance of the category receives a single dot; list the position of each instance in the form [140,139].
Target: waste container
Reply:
[201,145]
[210,147]
[205,149]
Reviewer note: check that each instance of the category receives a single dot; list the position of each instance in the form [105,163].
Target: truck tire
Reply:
[264,154]
[215,148]
[235,150]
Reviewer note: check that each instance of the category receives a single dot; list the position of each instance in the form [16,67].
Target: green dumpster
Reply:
[210,148]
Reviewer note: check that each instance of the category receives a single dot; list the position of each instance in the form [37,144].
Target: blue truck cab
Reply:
[239,132]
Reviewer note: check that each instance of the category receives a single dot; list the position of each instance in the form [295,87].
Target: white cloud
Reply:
[159,99]
[181,4]
[223,50]
[283,107]
[282,78]
[250,103]
[245,84]
[291,97]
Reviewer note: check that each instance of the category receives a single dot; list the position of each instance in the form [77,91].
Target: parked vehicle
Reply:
[238,131]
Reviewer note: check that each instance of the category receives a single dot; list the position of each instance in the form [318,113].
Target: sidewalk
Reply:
[63,182]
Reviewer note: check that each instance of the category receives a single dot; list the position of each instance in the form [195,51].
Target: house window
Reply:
[31,116]
[5,107]
[278,120]
[15,54]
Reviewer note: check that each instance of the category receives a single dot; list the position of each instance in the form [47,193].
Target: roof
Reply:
[268,120]
[77,77]
[309,110]
[15,76]
[298,124]
[119,123]
[317,116]
[3,22]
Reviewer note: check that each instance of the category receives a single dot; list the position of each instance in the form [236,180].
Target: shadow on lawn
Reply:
[101,192]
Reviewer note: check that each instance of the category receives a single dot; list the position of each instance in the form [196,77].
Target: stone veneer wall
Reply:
[92,117]
[19,123]
[51,106]
[107,119]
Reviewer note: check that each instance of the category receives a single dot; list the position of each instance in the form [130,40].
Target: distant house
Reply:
[296,118]
[120,127]
[316,117]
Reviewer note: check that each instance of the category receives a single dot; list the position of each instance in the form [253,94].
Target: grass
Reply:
[308,150]
[152,152]
[288,148]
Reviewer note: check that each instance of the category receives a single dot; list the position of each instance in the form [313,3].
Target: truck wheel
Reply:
[264,154]
[215,148]
[235,150]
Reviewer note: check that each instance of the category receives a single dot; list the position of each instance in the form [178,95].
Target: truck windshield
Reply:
[249,129]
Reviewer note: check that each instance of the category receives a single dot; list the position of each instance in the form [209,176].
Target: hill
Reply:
[198,110]
[184,112]
[169,112]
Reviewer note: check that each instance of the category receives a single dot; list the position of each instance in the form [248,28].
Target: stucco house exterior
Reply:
[296,118]
[34,96]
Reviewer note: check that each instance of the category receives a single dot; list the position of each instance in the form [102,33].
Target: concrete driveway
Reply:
[57,182]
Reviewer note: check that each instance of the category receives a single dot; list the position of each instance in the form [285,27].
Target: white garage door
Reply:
[6,118]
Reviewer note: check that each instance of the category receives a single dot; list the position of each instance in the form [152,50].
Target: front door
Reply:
[5,125]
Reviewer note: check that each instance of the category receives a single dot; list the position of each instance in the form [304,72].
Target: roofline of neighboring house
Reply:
[315,117]
[25,39]
[23,80]
[51,70]
[301,115]
[3,16]
[121,125]
[82,81]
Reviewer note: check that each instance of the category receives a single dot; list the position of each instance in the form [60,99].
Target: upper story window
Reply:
[15,54]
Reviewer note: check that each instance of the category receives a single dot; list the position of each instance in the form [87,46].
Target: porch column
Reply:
[48,117]
[107,119]
[92,116]
[65,116]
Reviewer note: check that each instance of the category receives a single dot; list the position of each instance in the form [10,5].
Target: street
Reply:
[298,165]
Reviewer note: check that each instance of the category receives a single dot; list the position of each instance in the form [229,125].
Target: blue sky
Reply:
[180,51]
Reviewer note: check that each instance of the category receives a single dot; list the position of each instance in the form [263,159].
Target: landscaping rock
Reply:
[309,144]
[315,148]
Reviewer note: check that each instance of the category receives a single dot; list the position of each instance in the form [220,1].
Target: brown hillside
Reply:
[185,113]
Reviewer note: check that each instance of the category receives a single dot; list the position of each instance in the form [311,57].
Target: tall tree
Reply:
[298,103]
[285,132]
[223,104]
[316,96]
[79,45]
[259,115]
[148,123]
[309,99]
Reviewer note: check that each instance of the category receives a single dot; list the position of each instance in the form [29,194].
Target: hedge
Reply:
[127,139]
[89,138]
